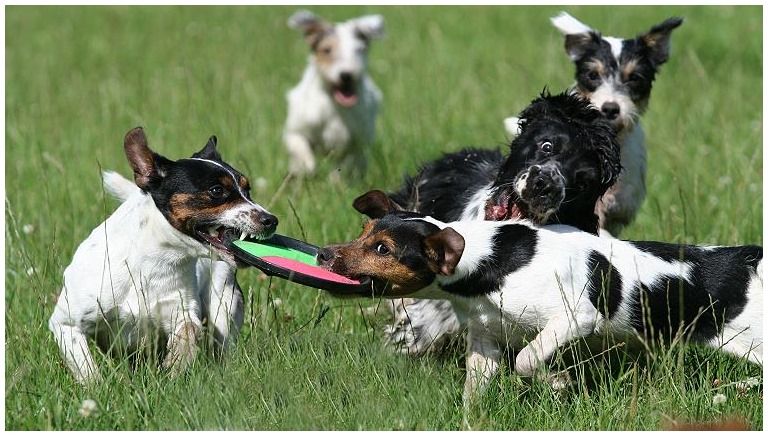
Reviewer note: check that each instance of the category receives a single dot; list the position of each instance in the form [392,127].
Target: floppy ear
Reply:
[657,39]
[444,250]
[608,150]
[375,204]
[369,26]
[310,24]
[578,36]
[209,151]
[148,166]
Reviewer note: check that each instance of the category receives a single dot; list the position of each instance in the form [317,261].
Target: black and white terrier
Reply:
[333,109]
[561,162]
[147,277]
[535,289]
[616,75]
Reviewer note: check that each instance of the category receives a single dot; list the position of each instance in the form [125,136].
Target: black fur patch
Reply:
[442,188]
[604,284]
[513,247]
[714,294]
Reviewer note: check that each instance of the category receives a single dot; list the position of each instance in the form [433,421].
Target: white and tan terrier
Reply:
[333,109]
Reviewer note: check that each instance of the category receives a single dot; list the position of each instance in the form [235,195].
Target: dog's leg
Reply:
[74,347]
[483,355]
[557,332]
[183,345]
[302,157]
[222,302]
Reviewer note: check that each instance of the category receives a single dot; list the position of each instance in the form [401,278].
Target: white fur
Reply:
[316,123]
[136,279]
[567,25]
[545,303]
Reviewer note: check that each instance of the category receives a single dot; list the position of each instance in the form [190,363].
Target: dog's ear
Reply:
[657,39]
[148,166]
[578,36]
[603,136]
[444,250]
[369,26]
[209,152]
[375,204]
[310,24]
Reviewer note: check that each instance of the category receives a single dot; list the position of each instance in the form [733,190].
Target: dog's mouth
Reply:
[503,207]
[345,93]
[221,237]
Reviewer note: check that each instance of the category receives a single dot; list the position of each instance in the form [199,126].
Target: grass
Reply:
[78,78]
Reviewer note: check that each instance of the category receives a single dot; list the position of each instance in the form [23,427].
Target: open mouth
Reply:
[503,207]
[220,237]
[345,93]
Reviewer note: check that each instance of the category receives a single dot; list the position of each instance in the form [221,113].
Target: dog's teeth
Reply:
[243,236]
[253,235]
[213,231]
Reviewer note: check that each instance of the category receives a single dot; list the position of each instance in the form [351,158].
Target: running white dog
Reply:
[333,108]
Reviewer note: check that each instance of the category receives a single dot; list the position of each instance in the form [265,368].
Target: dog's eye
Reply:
[382,249]
[593,75]
[217,191]
[634,77]
[546,147]
[326,51]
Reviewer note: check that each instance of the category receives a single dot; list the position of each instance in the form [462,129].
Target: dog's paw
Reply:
[183,348]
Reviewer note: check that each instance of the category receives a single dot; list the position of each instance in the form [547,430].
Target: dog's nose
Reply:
[324,256]
[346,77]
[610,110]
[269,222]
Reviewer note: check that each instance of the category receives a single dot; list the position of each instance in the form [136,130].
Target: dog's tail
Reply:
[118,186]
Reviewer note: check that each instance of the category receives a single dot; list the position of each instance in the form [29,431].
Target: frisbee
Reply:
[293,260]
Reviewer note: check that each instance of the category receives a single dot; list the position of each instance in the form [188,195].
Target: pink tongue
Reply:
[496,213]
[344,99]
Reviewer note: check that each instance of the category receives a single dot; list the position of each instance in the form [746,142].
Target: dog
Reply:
[150,274]
[333,109]
[534,289]
[563,160]
[616,75]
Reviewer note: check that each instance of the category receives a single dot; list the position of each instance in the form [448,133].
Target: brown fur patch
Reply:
[325,49]
[596,66]
[185,210]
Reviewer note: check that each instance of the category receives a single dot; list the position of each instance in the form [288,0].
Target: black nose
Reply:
[610,110]
[324,256]
[269,221]
[345,78]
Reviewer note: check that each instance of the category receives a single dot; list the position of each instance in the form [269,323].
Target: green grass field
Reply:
[78,78]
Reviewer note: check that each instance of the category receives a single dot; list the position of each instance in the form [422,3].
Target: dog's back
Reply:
[446,188]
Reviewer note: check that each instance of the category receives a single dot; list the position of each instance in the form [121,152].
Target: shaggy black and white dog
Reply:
[563,160]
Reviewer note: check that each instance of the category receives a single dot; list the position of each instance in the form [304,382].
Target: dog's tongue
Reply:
[499,212]
[495,213]
[346,98]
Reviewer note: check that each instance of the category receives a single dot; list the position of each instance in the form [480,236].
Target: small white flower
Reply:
[718,399]
[28,228]
[276,302]
[31,271]
[88,408]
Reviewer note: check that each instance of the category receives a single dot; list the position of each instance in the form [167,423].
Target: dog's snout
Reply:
[610,109]
[267,221]
[346,77]
[325,256]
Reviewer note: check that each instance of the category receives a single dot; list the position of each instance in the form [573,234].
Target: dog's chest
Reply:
[133,274]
